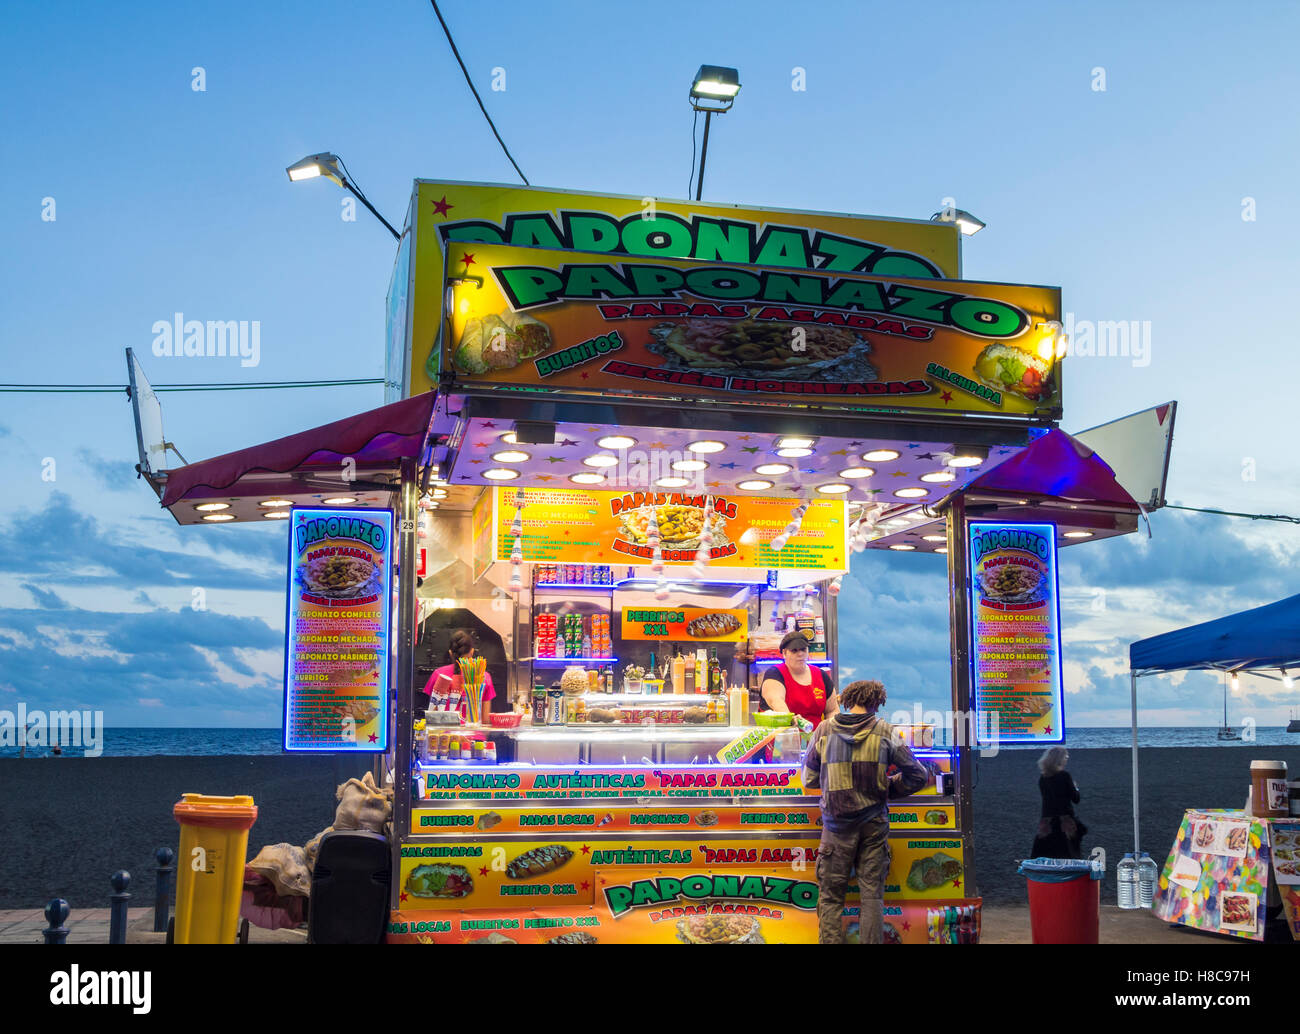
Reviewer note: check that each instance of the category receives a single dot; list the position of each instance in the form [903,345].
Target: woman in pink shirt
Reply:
[444,685]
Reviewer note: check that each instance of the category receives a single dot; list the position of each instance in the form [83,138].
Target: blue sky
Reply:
[172,200]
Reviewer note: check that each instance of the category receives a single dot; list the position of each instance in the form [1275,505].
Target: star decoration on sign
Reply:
[913,445]
[586,849]
[715,484]
[745,437]
[899,474]
[375,739]
[585,374]
[749,448]
[873,491]
[567,441]
[476,461]
[488,423]
[946,396]
[592,430]
[403,897]
[554,459]
[482,445]
[854,445]
[441,207]
[468,260]
[839,452]
[544,477]
[465,477]
[728,466]
[906,926]
[957,882]
[482,870]
[925,455]
[656,445]
[1003,452]
[1048,730]
[585,884]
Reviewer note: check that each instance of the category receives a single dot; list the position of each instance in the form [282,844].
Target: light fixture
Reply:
[510,456]
[500,474]
[794,441]
[937,476]
[1235,681]
[902,547]
[587,478]
[912,493]
[616,441]
[689,465]
[880,455]
[1287,681]
[713,92]
[707,446]
[276,502]
[672,482]
[440,493]
[834,489]
[509,438]
[967,455]
[323,164]
[856,472]
[331,167]
[600,460]
[1078,535]
[339,500]
[896,522]
[276,515]
[206,507]
[773,468]
[793,454]
[942,549]
[713,82]
[966,223]
[218,517]
[935,538]
[756,485]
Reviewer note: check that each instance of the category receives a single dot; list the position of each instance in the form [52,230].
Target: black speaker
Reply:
[350,887]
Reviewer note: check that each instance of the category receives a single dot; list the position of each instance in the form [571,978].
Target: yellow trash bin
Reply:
[210,866]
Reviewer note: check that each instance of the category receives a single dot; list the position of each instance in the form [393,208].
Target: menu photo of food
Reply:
[1221,838]
[770,350]
[1237,911]
[340,576]
[1015,580]
[680,526]
[1286,855]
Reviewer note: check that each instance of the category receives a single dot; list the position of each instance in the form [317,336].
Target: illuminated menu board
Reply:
[336,657]
[1015,632]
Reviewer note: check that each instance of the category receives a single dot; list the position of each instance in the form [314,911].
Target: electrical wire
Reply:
[690,182]
[472,90]
[88,389]
[1230,513]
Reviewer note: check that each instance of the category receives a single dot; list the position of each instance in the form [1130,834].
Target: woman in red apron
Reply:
[798,686]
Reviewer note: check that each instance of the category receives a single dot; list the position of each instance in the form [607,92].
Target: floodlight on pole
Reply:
[330,166]
[966,223]
[713,91]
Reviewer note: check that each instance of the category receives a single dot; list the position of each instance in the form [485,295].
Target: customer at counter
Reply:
[797,686]
[848,760]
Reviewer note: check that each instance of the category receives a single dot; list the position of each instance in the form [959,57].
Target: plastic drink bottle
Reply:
[1127,871]
[1147,875]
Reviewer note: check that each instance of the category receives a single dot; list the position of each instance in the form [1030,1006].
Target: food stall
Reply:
[655,435]
[1229,868]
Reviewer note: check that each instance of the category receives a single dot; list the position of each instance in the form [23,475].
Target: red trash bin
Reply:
[1063,902]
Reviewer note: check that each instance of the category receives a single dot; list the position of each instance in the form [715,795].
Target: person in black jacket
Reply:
[1059,831]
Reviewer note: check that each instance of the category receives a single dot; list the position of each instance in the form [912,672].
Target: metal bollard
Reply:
[117,909]
[163,894]
[56,914]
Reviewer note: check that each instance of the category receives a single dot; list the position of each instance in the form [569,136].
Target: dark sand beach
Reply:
[70,822]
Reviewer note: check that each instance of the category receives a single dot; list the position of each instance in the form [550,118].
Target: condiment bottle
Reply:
[679,672]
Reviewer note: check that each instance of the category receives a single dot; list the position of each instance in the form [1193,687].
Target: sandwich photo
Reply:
[500,342]
[439,881]
[1014,371]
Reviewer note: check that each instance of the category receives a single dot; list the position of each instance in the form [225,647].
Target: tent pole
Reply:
[1133,681]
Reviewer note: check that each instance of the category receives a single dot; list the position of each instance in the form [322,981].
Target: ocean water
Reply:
[142,742]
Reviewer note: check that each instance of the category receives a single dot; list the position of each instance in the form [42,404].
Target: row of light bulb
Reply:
[1287,681]
[273,509]
[788,447]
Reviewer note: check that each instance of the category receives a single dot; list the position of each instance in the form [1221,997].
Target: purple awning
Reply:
[384,435]
[1060,467]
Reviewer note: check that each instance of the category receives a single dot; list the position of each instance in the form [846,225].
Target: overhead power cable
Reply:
[472,90]
[1232,513]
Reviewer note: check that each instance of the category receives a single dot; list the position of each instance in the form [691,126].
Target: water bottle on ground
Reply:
[1147,875]
[1127,871]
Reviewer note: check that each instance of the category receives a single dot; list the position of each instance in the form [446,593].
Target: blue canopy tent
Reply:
[1260,641]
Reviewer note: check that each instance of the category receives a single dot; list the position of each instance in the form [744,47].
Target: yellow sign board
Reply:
[643,226]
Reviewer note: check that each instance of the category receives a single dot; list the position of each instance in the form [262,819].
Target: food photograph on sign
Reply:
[1015,633]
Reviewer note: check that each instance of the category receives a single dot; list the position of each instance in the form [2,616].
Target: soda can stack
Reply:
[600,639]
[546,635]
